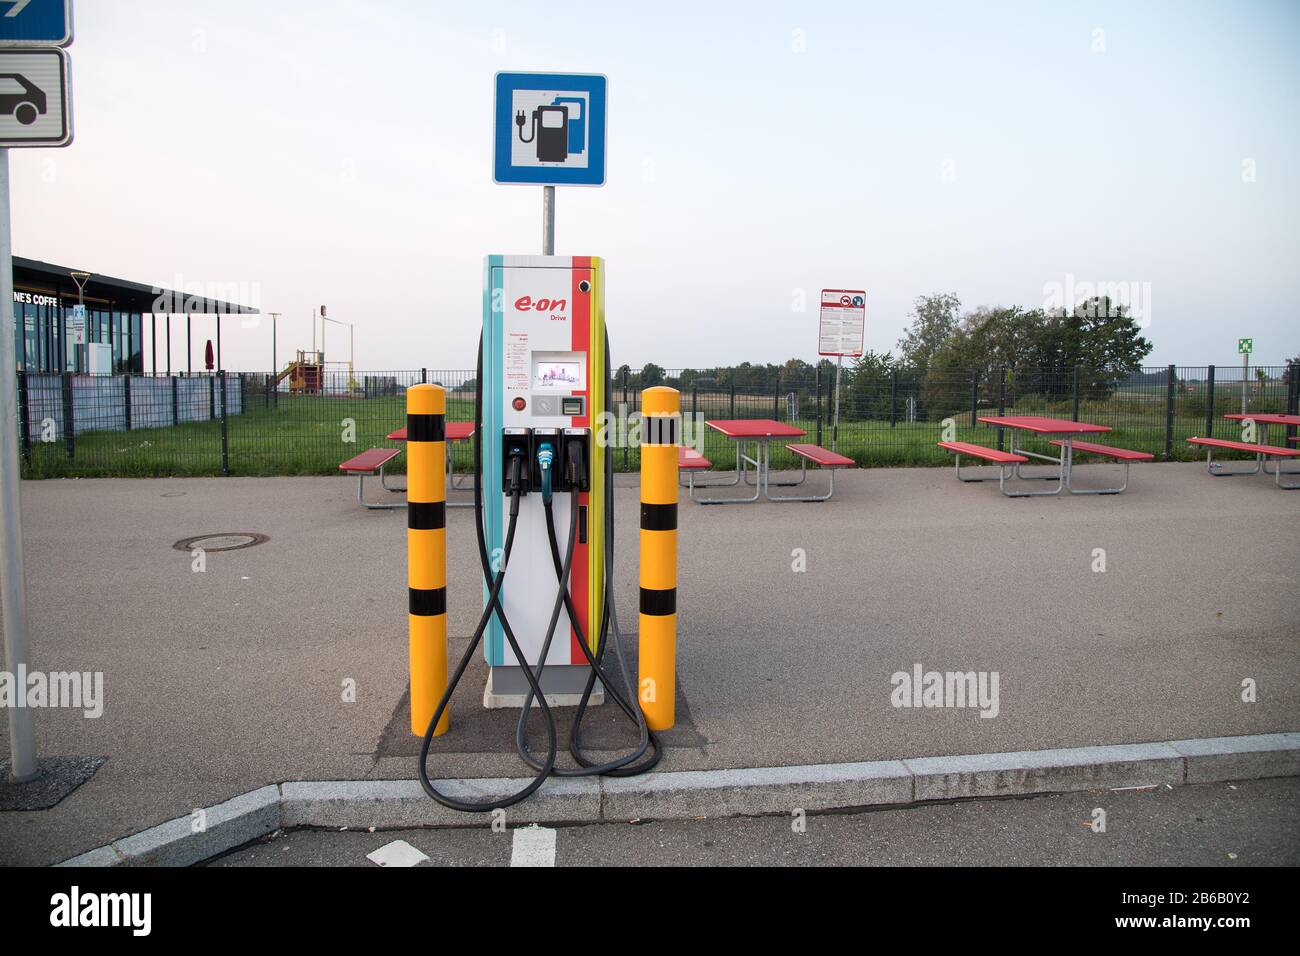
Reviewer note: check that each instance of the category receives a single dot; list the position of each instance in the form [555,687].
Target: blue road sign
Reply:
[549,129]
[35,22]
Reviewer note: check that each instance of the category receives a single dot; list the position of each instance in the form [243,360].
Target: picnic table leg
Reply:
[804,465]
[1068,451]
[1062,476]
[1209,466]
[1015,469]
[719,484]
[361,481]
[757,460]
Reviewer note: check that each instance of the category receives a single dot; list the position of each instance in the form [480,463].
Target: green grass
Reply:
[304,435]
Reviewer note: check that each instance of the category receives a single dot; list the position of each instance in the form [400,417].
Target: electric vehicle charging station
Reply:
[543,481]
[543,384]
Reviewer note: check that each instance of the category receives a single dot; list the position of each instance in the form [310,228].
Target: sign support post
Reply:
[548,220]
[13,581]
[33,61]
[835,426]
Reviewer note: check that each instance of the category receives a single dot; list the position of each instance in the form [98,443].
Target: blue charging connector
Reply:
[545,458]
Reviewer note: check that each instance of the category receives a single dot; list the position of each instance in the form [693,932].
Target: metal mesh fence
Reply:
[252,424]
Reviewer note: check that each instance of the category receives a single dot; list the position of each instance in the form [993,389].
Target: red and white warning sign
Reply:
[843,322]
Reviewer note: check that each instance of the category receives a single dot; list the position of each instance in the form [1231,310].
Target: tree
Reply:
[651,375]
[934,319]
[866,393]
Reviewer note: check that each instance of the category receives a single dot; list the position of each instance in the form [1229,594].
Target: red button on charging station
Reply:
[519,404]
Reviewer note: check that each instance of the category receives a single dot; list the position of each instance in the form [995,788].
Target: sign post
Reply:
[841,333]
[1245,347]
[549,130]
[37,112]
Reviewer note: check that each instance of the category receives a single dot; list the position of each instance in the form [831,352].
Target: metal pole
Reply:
[1245,375]
[835,428]
[275,369]
[13,582]
[548,220]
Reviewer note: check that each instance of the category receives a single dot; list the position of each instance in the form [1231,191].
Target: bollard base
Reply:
[507,687]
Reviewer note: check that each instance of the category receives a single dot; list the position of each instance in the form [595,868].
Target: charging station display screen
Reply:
[557,376]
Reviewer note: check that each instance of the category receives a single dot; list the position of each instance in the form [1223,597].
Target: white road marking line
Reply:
[397,853]
[533,846]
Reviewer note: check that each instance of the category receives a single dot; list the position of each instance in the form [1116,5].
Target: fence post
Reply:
[817,390]
[126,400]
[212,398]
[176,402]
[695,403]
[893,396]
[1002,399]
[1078,374]
[1209,402]
[24,418]
[626,413]
[424,376]
[1293,394]
[776,400]
[69,418]
[225,445]
[974,397]
[731,405]
[1169,414]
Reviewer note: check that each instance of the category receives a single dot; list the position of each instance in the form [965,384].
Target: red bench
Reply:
[1261,452]
[1003,459]
[690,461]
[1119,454]
[823,457]
[370,462]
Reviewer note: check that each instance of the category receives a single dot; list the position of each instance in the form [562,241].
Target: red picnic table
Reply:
[455,432]
[1066,432]
[759,432]
[1262,450]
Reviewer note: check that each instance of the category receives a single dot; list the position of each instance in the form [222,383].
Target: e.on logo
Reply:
[526,302]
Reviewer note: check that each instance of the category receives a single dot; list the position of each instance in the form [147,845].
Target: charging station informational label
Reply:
[549,129]
[843,322]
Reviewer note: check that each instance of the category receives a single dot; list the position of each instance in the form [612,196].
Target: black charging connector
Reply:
[516,442]
[577,458]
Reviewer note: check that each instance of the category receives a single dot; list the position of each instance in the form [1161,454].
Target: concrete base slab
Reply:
[57,777]
[403,804]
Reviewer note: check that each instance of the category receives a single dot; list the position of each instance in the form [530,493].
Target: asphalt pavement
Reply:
[287,661]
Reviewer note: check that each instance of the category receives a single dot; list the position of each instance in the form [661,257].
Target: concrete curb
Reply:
[688,794]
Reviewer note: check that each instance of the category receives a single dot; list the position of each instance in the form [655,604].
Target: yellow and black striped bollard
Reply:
[426,552]
[660,433]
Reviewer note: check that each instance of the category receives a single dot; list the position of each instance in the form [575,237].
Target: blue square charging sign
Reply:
[549,129]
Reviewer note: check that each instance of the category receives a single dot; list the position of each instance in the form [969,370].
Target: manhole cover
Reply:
[226,541]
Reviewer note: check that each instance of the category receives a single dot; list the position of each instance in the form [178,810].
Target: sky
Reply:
[292,153]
